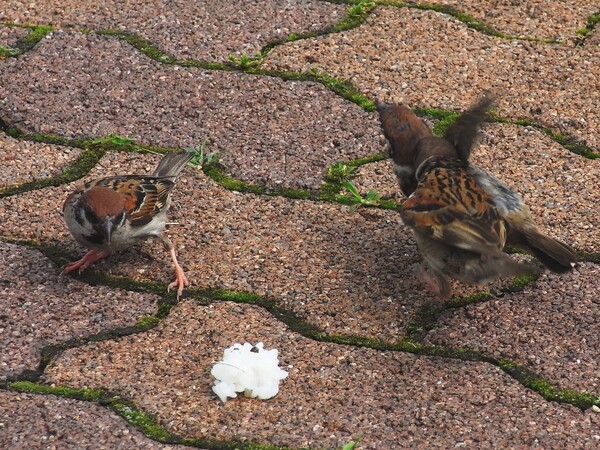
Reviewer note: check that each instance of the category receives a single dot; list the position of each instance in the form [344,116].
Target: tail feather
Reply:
[555,255]
[491,267]
[172,164]
[463,132]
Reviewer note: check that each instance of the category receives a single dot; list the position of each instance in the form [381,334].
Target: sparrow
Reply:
[112,213]
[461,216]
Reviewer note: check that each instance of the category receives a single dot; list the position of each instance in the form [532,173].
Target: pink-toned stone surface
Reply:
[206,30]
[545,19]
[394,397]
[429,59]
[344,270]
[42,422]
[40,308]
[22,161]
[10,35]
[267,130]
[549,328]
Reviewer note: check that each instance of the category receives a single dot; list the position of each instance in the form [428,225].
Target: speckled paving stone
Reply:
[22,161]
[551,328]
[40,308]
[42,422]
[333,393]
[204,30]
[10,35]
[429,59]
[544,19]
[593,39]
[560,187]
[344,270]
[267,130]
[379,177]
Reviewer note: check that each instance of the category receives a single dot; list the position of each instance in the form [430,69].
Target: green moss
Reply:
[543,387]
[355,16]
[521,281]
[38,32]
[228,182]
[340,172]
[345,89]
[571,144]
[236,296]
[590,25]
[589,257]
[141,420]
[141,44]
[147,322]
[79,168]
[36,388]
[478,297]
[7,52]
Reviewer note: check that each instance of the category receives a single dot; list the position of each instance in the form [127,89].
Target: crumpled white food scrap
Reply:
[250,369]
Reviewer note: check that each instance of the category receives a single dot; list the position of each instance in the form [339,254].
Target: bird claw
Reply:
[180,283]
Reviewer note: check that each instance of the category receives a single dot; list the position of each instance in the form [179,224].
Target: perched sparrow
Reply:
[461,216]
[113,213]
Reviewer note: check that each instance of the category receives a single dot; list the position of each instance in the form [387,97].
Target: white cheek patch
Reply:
[403,171]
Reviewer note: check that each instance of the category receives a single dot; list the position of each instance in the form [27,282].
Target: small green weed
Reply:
[372,198]
[351,445]
[340,172]
[202,159]
[245,61]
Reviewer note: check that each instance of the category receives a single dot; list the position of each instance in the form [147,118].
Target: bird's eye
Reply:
[90,215]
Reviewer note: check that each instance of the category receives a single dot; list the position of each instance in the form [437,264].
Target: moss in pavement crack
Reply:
[138,419]
[583,33]
[27,42]
[445,118]
[93,395]
[410,344]
[74,171]
[543,387]
[354,17]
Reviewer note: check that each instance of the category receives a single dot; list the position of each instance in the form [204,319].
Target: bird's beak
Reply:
[107,228]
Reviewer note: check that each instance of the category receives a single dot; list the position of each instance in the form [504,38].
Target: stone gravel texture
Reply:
[40,308]
[23,162]
[428,59]
[550,327]
[394,397]
[267,130]
[346,271]
[542,19]
[343,270]
[37,422]
[200,30]
[10,35]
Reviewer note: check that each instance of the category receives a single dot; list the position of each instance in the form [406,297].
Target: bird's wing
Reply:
[450,207]
[143,196]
